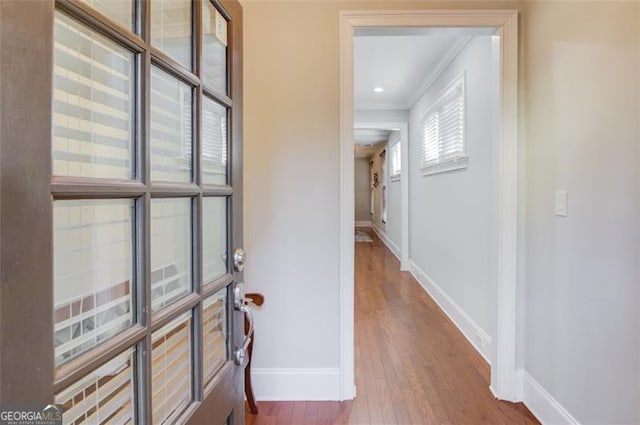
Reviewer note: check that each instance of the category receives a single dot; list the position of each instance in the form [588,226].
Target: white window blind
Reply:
[92,103]
[443,135]
[396,162]
[214,142]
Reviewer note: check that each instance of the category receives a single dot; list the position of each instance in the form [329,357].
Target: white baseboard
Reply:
[363,224]
[272,384]
[542,404]
[480,339]
[387,241]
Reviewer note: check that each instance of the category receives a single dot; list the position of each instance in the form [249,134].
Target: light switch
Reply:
[561,203]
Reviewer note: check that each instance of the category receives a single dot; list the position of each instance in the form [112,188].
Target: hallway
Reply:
[412,365]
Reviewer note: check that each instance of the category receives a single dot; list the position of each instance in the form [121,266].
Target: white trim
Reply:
[456,163]
[273,384]
[541,403]
[347,383]
[477,336]
[395,177]
[503,380]
[446,60]
[364,224]
[382,234]
[404,197]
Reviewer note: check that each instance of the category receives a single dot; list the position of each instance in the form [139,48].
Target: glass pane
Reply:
[214,238]
[120,11]
[171,29]
[214,334]
[170,251]
[105,396]
[214,142]
[171,128]
[171,370]
[93,248]
[214,48]
[92,103]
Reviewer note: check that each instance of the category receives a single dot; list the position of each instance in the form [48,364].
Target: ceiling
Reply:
[368,141]
[403,61]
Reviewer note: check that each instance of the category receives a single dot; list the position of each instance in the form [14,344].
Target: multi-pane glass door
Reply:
[143,191]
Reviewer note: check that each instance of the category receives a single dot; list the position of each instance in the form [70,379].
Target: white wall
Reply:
[579,276]
[582,300]
[362,189]
[391,231]
[452,214]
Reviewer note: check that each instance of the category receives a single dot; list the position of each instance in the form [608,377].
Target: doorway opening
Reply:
[431,113]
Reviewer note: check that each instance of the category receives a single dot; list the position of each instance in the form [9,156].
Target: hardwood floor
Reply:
[413,366]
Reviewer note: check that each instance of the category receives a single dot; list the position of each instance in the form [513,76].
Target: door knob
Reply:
[239,257]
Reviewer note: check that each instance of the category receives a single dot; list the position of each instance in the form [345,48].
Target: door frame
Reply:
[503,369]
[403,128]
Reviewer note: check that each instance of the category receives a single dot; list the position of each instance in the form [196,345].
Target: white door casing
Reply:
[503,369]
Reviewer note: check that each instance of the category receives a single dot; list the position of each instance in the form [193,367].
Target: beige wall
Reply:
[580,63]
[581,133]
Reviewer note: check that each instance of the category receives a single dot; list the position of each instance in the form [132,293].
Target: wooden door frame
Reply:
[503,371]
[25,178]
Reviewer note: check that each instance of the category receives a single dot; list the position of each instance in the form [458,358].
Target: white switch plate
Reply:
[561,203]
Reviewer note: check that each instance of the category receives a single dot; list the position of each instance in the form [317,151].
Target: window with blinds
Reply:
[105,396]
[171,127]
[443,131]
[214,142]
[214,335]
[92,103]
[383,188]
[395,161]
[93,269]
[171,370]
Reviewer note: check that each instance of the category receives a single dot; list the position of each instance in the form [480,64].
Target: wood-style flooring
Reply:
[413,366]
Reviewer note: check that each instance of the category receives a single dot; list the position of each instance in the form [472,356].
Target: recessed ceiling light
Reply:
[378,90]
[368,145]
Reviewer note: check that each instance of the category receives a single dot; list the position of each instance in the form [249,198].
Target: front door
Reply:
[121,201]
